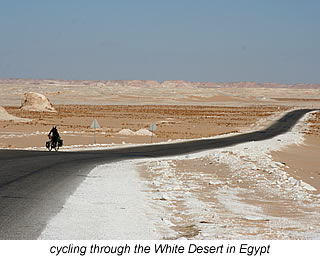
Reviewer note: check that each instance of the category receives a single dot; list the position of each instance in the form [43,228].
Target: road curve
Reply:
[34,185]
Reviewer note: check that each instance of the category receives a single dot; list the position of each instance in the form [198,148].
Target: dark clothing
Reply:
[55,134]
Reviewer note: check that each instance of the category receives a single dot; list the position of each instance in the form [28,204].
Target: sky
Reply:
[195,40]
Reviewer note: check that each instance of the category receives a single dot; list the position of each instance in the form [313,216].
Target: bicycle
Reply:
[54,145]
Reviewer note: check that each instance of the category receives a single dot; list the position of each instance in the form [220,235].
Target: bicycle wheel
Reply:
[48,146]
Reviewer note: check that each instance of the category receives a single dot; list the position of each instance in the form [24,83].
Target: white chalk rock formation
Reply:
[36,102]
[141,132]
[5,116]
[126,132]
[100,84]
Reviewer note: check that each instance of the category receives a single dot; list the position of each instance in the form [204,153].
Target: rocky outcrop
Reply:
[133,83]
[36,102]
[5,116]
[177,84]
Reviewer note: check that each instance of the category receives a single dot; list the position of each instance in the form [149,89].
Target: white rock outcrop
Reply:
[5,116]
[141,132]
[36,102]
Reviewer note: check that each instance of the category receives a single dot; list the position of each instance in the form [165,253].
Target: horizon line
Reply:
[106,80]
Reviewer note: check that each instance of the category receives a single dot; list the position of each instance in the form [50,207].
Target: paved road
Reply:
[34,185]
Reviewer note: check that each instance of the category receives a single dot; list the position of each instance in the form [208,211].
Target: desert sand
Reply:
[181,110]
[185,110]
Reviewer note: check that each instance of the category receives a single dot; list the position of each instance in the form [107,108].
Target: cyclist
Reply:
[55,135]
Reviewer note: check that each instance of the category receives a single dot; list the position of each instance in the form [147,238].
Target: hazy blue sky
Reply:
[199,40]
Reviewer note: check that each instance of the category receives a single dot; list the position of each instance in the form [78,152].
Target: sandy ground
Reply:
[173,122]
[136,92]
[181,110]
[244,192]
[259,191]
[303,160]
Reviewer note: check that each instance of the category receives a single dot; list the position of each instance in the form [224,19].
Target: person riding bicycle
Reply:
[55,134]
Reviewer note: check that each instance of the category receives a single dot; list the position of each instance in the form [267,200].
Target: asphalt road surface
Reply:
[34,185]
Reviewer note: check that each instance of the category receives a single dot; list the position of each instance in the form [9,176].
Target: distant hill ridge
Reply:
[154,83]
